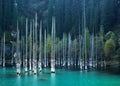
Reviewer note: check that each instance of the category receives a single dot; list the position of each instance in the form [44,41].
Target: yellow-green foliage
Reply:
[109,48]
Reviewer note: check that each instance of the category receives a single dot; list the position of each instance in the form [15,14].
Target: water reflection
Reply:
[7,74]
[34,80]
[53,80]
[30,73]
[25,78]
[18,80]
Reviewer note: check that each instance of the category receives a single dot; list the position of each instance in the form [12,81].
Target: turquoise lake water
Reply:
[8,77]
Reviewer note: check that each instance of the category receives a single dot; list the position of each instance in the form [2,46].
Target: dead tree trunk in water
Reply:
[53,46]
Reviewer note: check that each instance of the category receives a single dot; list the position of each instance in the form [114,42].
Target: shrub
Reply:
[109,48]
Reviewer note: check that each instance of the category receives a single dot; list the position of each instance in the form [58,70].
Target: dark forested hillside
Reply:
[68,13]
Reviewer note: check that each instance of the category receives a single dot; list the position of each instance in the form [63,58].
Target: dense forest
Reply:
[97,21]
[68,14]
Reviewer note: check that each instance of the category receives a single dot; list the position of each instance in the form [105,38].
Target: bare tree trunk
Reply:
[64,52]
[96,56]
[84,27]
[4,51]
[35,47]
[53,46]
[1,52]
[69,51]
[30,45]
[18,60]
[45,59]
[40,48]
[26,69]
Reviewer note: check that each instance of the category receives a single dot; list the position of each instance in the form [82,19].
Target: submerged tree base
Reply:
[18,73]
[43,79]
[52,71]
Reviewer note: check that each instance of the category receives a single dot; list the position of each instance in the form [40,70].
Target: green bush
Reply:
[109,48]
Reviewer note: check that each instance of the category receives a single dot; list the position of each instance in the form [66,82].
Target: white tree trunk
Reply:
[45,49]
[18,60]
[40,48]
[30,53]
[53,46]
[69,50]
[26,69]
[4,51]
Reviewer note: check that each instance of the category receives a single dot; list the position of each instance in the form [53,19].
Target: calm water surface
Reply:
[8,77]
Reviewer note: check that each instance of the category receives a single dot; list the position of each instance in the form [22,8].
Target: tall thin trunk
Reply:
[53,46]
[23,51]
[1,52]
[18,60]
[84,27]
[30,53]
[92,51]
[96,49]
[80,51]
[40,48]
[26,69]
[33,60]
[36,38]
[12,54]
[61,54]
[45,59]
[35,47]
[75,54]
[69,51]
[4,51]
[56,55]
[58,58]
[64,52]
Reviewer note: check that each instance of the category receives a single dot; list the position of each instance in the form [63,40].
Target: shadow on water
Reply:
[8,76]
[4,73]
[53,79]
[49,73]
[18,81]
